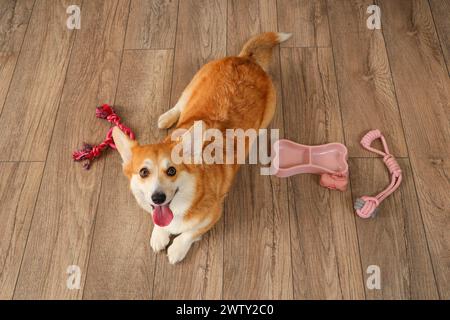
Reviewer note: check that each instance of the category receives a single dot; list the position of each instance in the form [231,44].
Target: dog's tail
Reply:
[259,48]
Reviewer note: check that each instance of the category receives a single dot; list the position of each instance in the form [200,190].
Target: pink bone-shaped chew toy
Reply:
[367,206]
[328,160]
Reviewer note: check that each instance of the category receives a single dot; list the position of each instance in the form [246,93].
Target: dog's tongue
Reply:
[162,215]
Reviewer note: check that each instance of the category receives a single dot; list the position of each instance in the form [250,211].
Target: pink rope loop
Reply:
[371,203]
[88,152]
[392,165]
[370,137]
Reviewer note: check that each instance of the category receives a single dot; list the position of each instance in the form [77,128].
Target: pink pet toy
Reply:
[368,206]
[328,160]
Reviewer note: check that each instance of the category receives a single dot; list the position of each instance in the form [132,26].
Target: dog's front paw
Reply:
[159,239]
[178,250]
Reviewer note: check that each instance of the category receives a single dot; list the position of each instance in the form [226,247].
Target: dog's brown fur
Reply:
[230,93]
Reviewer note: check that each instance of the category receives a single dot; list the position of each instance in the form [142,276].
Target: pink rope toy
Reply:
[89,152]
[367,206]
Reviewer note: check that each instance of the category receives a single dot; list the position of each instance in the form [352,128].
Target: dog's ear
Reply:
[123,144]
[194,139]
[189,143]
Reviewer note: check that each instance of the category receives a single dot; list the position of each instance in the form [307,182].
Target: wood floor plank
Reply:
[61,231]
[365,85]
[256,211]
[18,192]
[440,10]
[307,20]
[14,18]
[395,239]
[32,102]
[325,255]
[200,38]
[122,264]
[152,24]
[423,90]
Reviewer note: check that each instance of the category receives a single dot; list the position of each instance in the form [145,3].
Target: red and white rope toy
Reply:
[367,206]
[89,152]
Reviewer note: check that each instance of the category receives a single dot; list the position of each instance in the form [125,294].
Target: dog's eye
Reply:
[144,172]
[171,171]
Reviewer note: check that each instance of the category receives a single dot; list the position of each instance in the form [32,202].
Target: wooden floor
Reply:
[279,238]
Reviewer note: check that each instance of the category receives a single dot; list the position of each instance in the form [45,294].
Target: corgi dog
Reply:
[187,199]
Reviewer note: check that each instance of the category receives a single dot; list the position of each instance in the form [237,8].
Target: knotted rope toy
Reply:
[367,206]
[89,152]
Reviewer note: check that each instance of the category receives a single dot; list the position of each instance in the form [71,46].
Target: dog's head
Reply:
[160,186]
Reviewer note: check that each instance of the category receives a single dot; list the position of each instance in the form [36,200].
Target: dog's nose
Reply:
[158,197]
